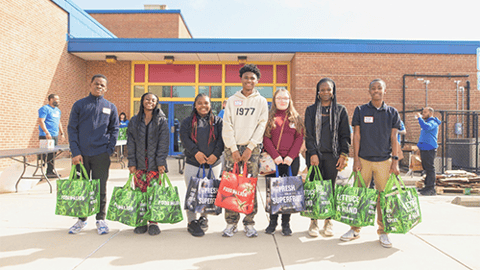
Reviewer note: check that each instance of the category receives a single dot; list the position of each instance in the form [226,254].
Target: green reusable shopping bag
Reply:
[355,205]
[164,202]
[400,206]
[78,196]
[128,205]
[319,197]
[122,133]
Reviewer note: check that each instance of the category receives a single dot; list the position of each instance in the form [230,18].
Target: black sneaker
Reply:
[194,229]
[203,222]
[141,229]
[428,192]
[153,229]
[286,231]
[271,228]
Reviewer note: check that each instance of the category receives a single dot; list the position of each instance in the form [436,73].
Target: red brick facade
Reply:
[119,81]
[35,63]
[352,74]
[144,25]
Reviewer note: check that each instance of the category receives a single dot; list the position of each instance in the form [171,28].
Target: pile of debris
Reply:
[455,181]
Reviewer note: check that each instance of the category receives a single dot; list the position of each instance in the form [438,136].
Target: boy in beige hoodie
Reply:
[244,123]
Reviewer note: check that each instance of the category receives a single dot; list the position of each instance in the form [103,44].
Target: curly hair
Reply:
[292,115]
[250,68]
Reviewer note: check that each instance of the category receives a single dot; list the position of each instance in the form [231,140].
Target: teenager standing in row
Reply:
[282,140]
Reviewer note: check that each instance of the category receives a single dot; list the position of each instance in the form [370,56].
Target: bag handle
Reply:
[83,173]
[395,180]
[316,171]
[128,184]
[211,175]
[289,171]
[358,178]
[202,166]
[165,180]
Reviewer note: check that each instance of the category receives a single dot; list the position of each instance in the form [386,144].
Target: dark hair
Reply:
[157,112]
[250,68]
[99,76]
[52,96]
[122,113]
[194,114]
[382,82]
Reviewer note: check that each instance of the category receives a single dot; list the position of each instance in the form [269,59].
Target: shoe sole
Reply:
[194,234]
[349,239]
[271,233]
[327,234]
[385,245]
[312,234]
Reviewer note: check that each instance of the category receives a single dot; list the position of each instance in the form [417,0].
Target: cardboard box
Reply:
[47,144]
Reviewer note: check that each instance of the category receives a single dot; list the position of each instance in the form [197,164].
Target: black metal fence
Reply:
[458,142]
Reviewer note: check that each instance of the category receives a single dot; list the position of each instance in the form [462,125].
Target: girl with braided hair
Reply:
[201,135]
[327,138]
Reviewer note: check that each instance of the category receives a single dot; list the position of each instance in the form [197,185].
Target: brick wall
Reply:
[119,81]
[35,63]
[353,72]
[145,25]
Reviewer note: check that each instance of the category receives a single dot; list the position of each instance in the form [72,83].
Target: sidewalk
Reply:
[33,237]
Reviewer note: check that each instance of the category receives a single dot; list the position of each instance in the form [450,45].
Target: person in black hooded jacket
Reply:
[201,135]
[147,144]
[327,139]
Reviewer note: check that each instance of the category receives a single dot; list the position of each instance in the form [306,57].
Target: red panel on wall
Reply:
[210,73]
[266,73]
[139,73]
[171,73]
[282,74]
[231,73]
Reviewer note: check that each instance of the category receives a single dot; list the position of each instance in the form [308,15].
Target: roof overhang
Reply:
[219,49]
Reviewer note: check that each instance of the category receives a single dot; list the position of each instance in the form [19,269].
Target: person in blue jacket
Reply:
[92,134]
[427,143]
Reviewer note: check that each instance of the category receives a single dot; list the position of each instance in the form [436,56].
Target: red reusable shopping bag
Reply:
[237,191]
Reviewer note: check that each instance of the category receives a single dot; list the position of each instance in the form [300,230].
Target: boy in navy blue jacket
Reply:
[92,134]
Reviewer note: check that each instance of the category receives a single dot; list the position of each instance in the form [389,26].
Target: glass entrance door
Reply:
[176,112]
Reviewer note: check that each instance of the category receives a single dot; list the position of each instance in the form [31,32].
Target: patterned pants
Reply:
[232,217]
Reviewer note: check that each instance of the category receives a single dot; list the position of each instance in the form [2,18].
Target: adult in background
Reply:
[375,146]
[427,143]
[327,140]
[123,120]
[92,133]
[147,144]
[282,140]
[50,128]
[201,135]
[244,122]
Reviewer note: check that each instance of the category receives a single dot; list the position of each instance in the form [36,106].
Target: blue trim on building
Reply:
[130,11]
[80,24]
[271,46]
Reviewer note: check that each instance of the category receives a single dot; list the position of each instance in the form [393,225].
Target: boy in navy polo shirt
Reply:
[374,140]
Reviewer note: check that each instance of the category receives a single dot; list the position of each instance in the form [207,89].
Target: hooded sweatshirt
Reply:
[244,120]
[429,134]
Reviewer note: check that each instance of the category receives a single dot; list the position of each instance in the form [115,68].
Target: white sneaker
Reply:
[102,227]
[250,231]
[313,231]
[230,230]
[385,240]
[77,227]
[328,228]
[350,235]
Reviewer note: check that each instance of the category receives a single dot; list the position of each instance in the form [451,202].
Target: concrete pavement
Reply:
[33,237]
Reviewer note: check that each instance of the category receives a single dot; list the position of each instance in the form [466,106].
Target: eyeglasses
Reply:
[282,99]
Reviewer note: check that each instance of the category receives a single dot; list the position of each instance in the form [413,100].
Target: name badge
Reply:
[106,110]
[238,103]
[368,119]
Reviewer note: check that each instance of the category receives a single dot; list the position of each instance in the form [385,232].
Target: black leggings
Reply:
[283,170]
